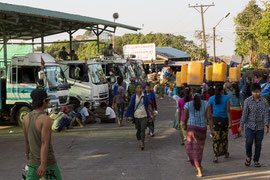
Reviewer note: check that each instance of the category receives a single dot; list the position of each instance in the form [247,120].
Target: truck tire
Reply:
[24,110]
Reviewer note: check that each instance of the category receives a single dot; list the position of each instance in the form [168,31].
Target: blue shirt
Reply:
[219,110]
[266,89]
[234,100]
[197,118]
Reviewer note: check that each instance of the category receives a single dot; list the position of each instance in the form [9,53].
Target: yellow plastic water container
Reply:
[234,74]
[219,72]
[209,73]
[184,71]
[178,79]
[195,73]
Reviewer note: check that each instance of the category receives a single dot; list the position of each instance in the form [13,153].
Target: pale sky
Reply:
[164,16]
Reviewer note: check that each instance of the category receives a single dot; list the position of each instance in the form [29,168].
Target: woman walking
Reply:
[181,104]
[140,110]
[176,119]
[236,102]
[222,122]
[195,122]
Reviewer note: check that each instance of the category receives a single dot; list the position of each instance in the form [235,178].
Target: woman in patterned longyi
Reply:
[222,121]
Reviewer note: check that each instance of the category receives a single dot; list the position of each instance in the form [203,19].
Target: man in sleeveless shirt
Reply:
[37,131]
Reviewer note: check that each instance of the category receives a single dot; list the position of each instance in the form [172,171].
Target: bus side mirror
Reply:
[41,75]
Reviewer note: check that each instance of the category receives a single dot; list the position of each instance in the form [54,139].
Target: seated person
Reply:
[109,116]
[62,120]
[76,116]
[87,116]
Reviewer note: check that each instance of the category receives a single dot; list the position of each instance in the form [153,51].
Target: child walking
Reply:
[152,100]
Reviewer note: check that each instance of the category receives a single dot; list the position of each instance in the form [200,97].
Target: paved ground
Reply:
[106,152]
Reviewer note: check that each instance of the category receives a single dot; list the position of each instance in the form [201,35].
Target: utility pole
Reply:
[214,35]
[202,11]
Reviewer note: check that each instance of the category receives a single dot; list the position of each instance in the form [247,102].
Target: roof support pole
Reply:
[98,39]
[70,41]
[33,44]
[42,43]
[5,50]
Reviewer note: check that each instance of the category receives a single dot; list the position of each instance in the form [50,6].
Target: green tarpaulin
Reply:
[13,50]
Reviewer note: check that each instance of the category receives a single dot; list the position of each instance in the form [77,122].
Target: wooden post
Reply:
[203,29]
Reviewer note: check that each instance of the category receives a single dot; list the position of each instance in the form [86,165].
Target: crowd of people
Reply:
[232,106]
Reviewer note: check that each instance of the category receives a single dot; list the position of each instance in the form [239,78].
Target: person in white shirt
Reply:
[109,116]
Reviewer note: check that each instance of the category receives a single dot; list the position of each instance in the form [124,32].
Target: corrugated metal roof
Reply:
[19,16]
[170,52]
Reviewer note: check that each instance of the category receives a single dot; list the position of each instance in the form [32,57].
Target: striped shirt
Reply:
[255,114]
[197,118]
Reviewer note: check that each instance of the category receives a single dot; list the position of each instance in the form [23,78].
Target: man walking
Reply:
[38,148]
[256,119]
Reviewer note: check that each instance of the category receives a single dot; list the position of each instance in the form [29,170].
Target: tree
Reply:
[85,49]
[262,31]
[245,41]
[160,39]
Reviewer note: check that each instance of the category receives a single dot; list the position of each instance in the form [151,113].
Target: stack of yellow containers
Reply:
[209,73]
[184,71]
[178,79]
[219,72]
[234,74]
[195,73]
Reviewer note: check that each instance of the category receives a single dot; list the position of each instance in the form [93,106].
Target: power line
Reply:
[202,11]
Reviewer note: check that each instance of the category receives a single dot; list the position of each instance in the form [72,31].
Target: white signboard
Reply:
[142,51]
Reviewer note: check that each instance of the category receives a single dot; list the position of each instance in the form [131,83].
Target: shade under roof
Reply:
[23,22]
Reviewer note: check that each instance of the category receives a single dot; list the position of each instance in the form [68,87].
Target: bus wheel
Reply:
[23,111]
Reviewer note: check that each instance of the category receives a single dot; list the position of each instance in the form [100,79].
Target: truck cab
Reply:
[119,68]
[26,73]
[88,82]
[137,65]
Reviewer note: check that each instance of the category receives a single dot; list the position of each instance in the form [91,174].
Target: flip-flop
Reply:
[257,164]
[215,160]
[248,162]
[227,155]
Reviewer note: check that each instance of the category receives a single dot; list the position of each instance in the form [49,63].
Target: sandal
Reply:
[227,155]
[248,162]
[215,160]
[257,164]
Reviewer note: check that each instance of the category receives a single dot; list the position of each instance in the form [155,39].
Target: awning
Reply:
[23,22]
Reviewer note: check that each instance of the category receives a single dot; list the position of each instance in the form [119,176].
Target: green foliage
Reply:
[262,32]
[89,49]
[244,22]
[85,49]
[160,39]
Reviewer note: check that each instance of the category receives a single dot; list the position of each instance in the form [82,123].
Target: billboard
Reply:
[142,51]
